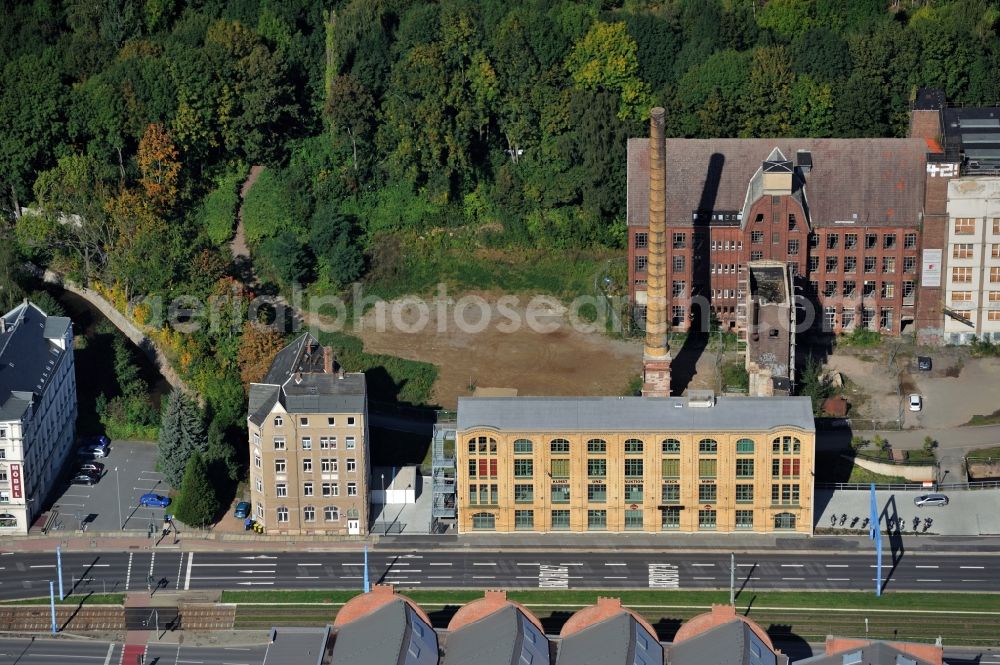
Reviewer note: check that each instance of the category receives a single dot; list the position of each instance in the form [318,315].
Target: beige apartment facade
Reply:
[308,437]
[607,464]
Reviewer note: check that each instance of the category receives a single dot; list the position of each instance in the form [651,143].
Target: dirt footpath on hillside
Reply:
[565,361]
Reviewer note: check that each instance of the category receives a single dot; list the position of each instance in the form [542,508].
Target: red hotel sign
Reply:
[15,481]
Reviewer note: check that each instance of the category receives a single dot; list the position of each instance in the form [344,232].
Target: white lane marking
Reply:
[484,577]
[525,577]
[553,577]
[45,565]
[152,560]
[570,564]
[307,577]
[616,577]
[128,573]
[616,564]
[180,567]
[663,576]
[493,563]
[974,580]
[791,565]
[440,577]
[187,576]
[308,564]
[925,566]
[225,565]
[439,564]
[241,577]
[836,565]
[971,567]
[793,578]
[703,565]
[526,564]
[921,580]
[838,579]
[704,578]
[745,565]
[107,659]
[91,565]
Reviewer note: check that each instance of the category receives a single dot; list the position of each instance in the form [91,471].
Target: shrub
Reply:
[219,208]
[272,206]
[862,338]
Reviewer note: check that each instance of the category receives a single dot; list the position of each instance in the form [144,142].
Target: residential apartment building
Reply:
[308,430]
[972,279]
[37,411]
[615,464]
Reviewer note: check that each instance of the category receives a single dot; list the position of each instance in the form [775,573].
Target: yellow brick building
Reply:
[613,464]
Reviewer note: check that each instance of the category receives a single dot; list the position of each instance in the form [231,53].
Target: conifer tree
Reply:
[198,503]
[182,433]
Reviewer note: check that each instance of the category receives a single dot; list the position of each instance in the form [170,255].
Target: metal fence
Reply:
[910,487]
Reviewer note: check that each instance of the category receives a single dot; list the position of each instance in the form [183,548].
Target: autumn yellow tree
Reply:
[258,346]
[160,165]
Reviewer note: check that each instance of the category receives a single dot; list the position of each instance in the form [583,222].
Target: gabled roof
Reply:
[733,643]
[611,642]
[298,380]
[30,354]
[870,181]
[875,653]
[380,638]
[493,640]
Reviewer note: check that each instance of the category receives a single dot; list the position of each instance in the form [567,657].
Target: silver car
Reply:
[930,500]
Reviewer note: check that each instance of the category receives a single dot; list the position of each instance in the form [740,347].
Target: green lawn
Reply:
[93,599]
[993,452]
[991,419]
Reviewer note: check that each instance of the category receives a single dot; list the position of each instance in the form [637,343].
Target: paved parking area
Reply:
[113,503]
[968,513]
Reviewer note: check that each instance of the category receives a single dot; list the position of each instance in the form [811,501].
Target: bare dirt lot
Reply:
[554,358]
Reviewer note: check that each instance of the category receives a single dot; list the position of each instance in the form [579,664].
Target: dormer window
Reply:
[278,421]
[303,421]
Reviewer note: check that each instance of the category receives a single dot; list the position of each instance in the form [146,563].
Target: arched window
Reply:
[559,446]
[484,521]
[597,446]
[523,447]
[708,446]
[786,445]
[671,446]
[278,421]
[744,447]
[482,445]
[784,521]
[633,446]
[7,520]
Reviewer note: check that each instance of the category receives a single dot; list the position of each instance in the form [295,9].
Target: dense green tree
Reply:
[198,504]
[821,53]
[284,259]
[606,59]
[11,274]
[767,100]
[657,43]
[182,434]
[339,259]
[31,96]
[858,108]
[709,96]
[351,110]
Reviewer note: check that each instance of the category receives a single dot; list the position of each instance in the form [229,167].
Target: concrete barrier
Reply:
[912,472]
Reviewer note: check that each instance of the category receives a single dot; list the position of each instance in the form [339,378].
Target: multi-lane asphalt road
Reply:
[86,652]
[28,575]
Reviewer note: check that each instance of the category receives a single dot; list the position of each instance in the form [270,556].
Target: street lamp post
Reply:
[384,525]
[118,485]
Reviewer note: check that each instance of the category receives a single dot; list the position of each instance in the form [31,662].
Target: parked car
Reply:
[90,452]
[242,510]
[924,363]
[98,440]
[84,479]
[916,402]
[92,467]
[930,500]
[154,501]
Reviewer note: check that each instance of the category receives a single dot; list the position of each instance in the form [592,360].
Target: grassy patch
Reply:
[434,259]
[735,377]
[390,379]
[991,419]
[783,614]
[991,453]
[837,469]
[861,338]
[78,599]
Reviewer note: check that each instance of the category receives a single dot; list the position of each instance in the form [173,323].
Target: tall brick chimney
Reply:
[656,353]
[327,360]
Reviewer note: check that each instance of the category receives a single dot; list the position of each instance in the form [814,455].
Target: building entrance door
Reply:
[353,527]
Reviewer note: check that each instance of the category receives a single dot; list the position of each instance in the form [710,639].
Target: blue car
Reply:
[242,510]
[154,501]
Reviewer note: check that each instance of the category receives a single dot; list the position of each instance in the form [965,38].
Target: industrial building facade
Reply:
[618,464]
[308,430]
[867,227]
